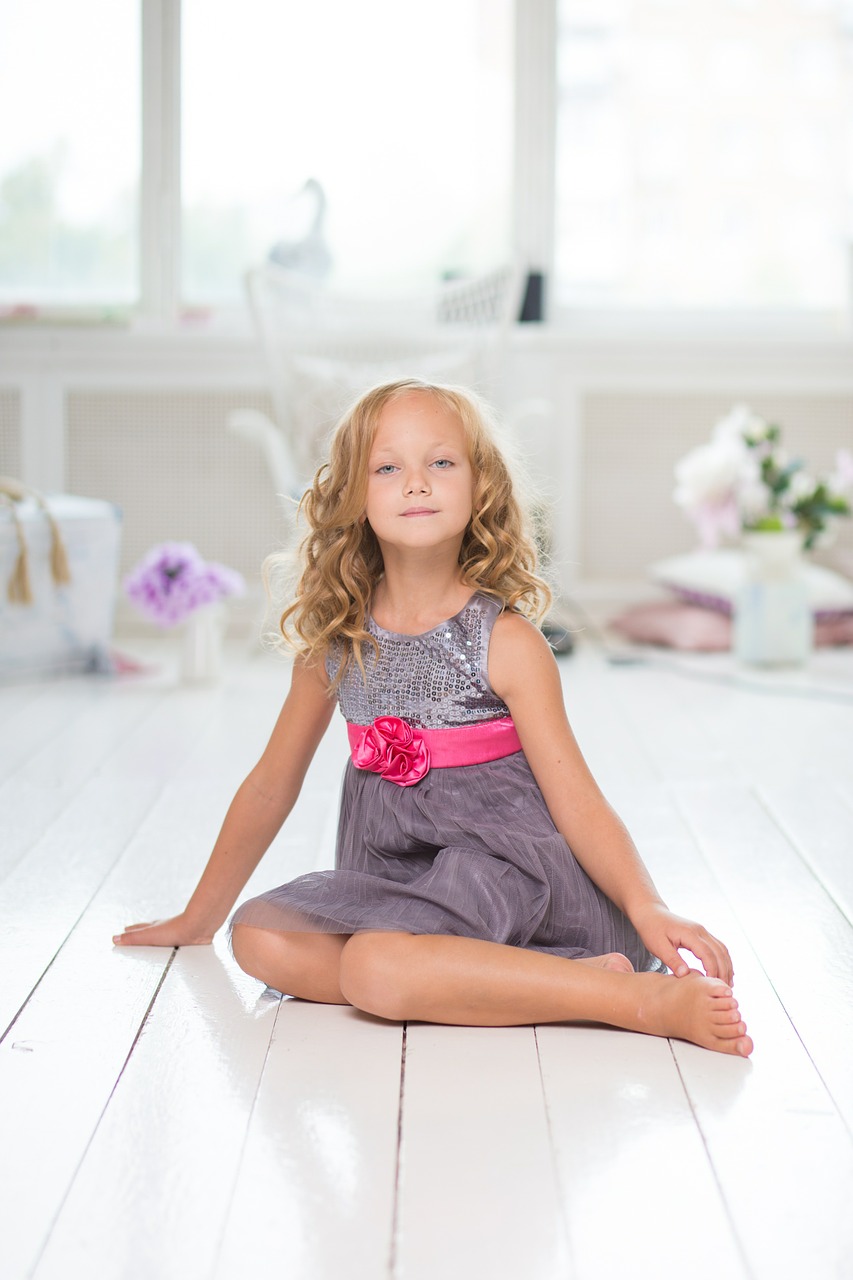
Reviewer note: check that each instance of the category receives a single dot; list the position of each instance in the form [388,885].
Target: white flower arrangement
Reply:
[742,481]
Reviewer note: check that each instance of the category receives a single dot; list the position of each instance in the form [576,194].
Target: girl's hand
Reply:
[664,933]
[175,932]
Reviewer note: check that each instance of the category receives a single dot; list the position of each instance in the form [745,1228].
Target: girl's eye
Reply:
[442,463]
[386,469]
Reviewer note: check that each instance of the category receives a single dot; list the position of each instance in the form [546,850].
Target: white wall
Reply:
[142,421]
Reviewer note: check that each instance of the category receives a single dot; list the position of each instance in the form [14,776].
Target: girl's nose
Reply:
[416,482]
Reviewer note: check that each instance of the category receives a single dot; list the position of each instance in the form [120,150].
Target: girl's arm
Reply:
[255,816]
[524,673]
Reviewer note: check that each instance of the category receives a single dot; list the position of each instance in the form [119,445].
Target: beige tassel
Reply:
[58,554]
[19,590]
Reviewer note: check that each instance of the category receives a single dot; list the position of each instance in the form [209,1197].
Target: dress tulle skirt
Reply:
[468,851]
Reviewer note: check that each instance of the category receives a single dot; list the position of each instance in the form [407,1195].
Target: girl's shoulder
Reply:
[512,628]
[517,650]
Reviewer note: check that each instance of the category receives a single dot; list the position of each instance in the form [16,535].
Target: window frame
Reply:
[160,310]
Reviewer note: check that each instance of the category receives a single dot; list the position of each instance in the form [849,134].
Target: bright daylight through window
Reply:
[705,153]
[69,154]
[401,113]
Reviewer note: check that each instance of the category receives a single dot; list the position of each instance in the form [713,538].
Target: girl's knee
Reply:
[253,948]
[298,964]
[373,973]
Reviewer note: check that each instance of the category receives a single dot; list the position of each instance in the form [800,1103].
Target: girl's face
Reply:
[420,483]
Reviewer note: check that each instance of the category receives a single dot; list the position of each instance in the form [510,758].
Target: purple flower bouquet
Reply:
[172,581]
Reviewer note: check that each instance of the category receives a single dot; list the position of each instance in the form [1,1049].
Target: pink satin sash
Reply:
[401,754]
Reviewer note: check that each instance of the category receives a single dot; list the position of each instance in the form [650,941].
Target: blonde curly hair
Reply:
[340,555]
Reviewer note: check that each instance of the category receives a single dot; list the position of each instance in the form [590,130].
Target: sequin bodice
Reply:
[438,680]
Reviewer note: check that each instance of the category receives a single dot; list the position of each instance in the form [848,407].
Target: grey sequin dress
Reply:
[470,850]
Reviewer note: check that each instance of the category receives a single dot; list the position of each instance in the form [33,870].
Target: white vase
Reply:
[773,623]
[203,642]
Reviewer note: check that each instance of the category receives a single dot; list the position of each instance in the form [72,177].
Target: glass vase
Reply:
[773,622]
[203,645]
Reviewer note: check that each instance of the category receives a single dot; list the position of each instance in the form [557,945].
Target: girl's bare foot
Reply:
[695,1008]
[614,960]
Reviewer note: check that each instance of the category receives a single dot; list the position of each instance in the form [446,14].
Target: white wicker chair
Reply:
[324,347]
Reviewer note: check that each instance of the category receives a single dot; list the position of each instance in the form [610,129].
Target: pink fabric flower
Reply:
[392,748]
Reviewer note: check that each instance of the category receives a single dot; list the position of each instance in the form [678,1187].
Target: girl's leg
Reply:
[299,964]
[464,981]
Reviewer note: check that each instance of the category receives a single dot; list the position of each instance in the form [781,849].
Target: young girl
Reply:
[481,877]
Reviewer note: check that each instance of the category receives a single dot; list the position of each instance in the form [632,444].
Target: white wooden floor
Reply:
[162,1116]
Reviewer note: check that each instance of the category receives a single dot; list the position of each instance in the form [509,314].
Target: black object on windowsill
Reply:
[533,306]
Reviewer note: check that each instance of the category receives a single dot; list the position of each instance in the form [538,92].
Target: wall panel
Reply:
[169,461]
[10,432]
[630,442]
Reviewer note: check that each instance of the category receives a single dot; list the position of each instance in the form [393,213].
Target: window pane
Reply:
[403,114]
[69,152]
[705,153]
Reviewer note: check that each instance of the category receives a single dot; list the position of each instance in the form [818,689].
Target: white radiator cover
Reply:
[169,461]
[166,457]
[10,432]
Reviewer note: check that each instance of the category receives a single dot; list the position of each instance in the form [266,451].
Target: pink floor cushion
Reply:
[696,629]
[676,626]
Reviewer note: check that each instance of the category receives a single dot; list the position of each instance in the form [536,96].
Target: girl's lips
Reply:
[420,511]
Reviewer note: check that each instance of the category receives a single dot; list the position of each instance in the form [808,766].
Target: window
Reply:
[69,153]
[705,153]
[402,113]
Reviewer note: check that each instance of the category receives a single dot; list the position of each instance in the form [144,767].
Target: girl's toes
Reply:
[732,1031]
[725,1021]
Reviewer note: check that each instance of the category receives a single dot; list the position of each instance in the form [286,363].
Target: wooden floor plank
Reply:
[32,714]
[607,742]
[656,710]
[67,750]
[478,1193]
[92,999]
[702,769]
[817,818]
[779,1151]
[771,723]
[774,1127]
[47,893]
[624,1135]
[779,1148]
[58,1067]
[63,1056]
[315,1188]
[150,1197]
[16,698]
[794,926]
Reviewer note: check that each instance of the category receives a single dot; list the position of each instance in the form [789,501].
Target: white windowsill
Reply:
[595,341]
